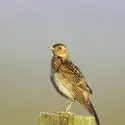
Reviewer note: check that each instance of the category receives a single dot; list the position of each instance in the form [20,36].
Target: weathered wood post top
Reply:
[59,118]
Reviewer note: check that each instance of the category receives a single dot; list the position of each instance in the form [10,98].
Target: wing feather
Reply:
[73,74]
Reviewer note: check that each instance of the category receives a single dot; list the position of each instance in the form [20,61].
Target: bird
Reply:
[69,81]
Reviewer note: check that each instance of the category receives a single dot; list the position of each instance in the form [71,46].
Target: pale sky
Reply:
[94,32]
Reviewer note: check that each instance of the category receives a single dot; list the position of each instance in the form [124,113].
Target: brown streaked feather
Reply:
[56,62]
[74,75]
[83,99]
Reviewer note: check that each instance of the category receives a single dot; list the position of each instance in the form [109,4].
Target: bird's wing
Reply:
[84,100]
[74,76]
[80,88]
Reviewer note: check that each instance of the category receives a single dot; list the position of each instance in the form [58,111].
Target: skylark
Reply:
[69,81]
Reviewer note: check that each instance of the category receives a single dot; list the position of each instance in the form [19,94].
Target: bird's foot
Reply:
[63,112]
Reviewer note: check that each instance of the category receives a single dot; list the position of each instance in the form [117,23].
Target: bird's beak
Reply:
[51,48]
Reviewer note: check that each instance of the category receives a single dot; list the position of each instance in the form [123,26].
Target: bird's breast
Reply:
[62,86]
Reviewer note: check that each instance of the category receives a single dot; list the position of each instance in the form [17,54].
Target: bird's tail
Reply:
[87,104]
[94,113]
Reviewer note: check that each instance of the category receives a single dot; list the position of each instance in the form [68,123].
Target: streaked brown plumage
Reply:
[69,81]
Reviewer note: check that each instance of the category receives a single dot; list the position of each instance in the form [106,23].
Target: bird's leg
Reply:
[69,106]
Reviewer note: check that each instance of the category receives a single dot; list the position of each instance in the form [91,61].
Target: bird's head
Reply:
[60,50]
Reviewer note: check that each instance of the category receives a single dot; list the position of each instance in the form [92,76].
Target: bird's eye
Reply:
[60,47]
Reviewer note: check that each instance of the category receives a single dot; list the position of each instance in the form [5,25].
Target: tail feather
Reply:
[95,114]
[86,103]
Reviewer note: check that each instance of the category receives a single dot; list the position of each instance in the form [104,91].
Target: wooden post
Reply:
[60,118]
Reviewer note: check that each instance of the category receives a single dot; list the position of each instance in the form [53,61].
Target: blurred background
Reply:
[94,32]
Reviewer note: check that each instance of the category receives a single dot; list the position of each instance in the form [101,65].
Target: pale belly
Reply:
[61,86]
